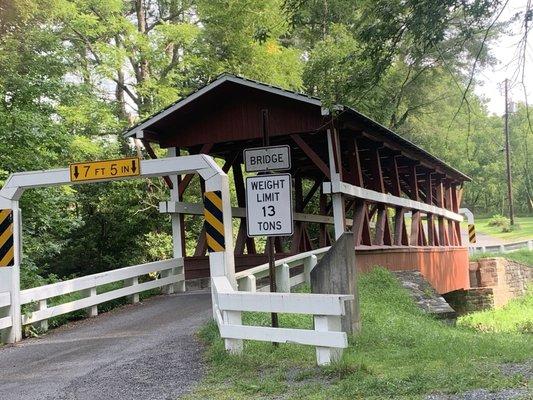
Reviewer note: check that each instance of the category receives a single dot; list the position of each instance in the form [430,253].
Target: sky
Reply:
[505,50]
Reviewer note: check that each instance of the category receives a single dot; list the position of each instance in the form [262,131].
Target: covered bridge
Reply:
[350,173]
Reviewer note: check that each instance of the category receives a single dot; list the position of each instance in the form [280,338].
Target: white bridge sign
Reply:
[267,158]
[269,205]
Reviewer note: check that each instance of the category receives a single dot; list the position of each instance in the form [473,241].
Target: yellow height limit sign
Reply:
[108,169]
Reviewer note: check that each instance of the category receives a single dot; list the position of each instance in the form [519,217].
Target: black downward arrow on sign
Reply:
[76,171]
[133,167]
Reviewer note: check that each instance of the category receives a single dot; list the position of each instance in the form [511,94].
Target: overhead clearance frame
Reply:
[221,263]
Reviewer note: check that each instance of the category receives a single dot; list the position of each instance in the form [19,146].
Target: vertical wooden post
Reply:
[283,279]
[383,235]
[323,238]
[417,232]
[324,323]
[455,206]
[178,233]
[93,310]
[432,240]
[361,225]
[335,168]
[134,298]
[449,205]
[242,237]
[42,305]
[443,233]
[249,284]
[309,264]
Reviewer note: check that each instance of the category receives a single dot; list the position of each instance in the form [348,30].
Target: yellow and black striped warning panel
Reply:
[214,221]
[471,233]
[7,251]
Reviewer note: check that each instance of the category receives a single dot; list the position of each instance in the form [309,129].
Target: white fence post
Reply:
[325,323]
[249,284]
[134,298]
[530,244]
[14,333]
[43,305]
[222,263]
[283,279]
[177,249]
[93,310]
[309,264]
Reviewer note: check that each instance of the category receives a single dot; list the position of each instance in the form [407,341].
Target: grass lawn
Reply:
[400,354]
[516,316]
[523,256]
[523,232]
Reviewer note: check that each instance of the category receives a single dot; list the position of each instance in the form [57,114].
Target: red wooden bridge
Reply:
[349,172]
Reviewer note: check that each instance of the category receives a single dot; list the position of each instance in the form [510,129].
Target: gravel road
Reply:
[146,351]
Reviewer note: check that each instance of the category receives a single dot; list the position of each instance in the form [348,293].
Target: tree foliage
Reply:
[75,73]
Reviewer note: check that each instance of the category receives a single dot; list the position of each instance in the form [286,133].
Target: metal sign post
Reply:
[269,197]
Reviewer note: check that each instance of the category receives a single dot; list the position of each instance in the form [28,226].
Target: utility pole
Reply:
[508,155]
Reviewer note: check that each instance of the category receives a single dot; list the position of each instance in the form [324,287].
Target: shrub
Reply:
[506,226]
[499,220]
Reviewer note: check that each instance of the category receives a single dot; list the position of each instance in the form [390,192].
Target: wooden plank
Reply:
[291,303]
[6,322]
[5,299]
[430,219]
[361,226]
[388,199]
[443,233]
[356,173]
[455,208]
[337,155]
[449,205]
[311,192]
[321,165]
[377,172]
[322,229]
[285,335]
[400,231]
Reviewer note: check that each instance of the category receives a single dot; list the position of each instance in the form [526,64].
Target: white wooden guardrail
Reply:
[247,280]
[502,248]
[88,286]
[327,309]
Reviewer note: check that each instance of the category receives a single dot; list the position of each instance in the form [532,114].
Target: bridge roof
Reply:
[226,112]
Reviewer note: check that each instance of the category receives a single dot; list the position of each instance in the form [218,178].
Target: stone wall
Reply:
[493,282]
[507,279]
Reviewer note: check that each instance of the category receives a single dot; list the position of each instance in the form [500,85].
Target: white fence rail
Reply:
[327,309]
[5,301]
[502,248]
[247,280]
[88,286]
